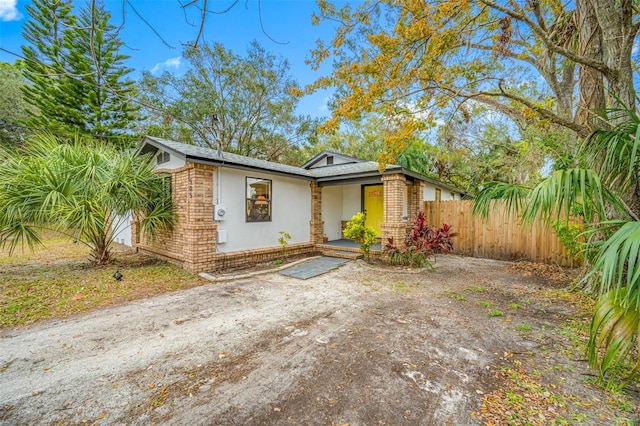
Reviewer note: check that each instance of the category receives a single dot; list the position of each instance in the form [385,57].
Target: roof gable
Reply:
[322,160]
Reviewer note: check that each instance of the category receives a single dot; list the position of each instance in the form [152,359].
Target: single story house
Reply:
[231,208]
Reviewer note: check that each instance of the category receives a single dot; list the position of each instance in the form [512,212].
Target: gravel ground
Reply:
[360,346]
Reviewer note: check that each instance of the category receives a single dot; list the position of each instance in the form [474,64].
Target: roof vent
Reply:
[163,157]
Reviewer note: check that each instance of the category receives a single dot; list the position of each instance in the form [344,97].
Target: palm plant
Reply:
[78,188]
[604,194]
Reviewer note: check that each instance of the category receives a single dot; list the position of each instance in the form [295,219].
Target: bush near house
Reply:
[358,232]
[421,242]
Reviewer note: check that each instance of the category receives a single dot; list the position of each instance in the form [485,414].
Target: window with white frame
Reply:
[258,200]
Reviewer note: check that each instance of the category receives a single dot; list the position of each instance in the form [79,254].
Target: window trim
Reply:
[250,202]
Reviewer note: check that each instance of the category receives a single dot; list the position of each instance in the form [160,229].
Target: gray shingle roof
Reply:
[193,152]
[208,155]
[349,169]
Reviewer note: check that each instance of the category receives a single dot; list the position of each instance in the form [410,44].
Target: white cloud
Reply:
[324,106]
[174,63]
[8,11]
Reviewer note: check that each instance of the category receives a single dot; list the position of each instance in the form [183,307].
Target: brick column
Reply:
[198,229]
[416,199]
[316,224]
[393,226]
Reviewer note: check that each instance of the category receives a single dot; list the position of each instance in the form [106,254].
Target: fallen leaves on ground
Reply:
[522,400]
[552,273]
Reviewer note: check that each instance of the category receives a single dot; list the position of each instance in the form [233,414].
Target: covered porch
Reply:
[334,203]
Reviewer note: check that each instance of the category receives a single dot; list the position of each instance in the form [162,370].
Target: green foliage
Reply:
[615,328]
[569,235]
[513,196]
[14,110]
[81,189]
[250,94]
[604,195]
[358,232]
[52,90]
[283,240]
[478,145]
[107,110]
[359,138]
[77,80]
[415,59]
[421,241]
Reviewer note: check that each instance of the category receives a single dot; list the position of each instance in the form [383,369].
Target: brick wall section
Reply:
[416,199]
[316,225]
[193,240]
[249,257]
[393,226]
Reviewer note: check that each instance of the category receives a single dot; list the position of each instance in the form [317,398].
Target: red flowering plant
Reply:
[421,242]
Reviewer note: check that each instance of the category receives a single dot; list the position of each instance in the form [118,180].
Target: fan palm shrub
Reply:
[79,188]
[605,194]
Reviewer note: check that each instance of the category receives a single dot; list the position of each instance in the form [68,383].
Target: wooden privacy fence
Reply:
[499,237]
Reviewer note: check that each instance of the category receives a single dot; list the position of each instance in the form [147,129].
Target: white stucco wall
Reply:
[291,210]
[351,200]
[336,160]
[175,162]
[429,193]
[122,229]
[332,211]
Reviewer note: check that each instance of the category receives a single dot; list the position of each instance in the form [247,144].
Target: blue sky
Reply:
[288,22]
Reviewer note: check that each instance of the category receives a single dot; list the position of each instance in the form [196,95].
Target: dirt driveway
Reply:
[357,346]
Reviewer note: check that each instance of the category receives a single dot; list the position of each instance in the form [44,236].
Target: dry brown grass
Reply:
[58,280]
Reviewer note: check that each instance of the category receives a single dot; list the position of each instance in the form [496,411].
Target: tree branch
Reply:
[540,32]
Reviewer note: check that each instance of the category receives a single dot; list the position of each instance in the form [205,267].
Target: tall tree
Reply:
[250,95]
[108,108]
[525,58]
[76,72]
[53,87]
[475,146]
[14,110]
[358,138]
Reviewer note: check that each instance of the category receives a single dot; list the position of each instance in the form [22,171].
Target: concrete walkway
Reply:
[314,268]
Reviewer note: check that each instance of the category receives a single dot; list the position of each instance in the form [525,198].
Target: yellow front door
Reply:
[374,207]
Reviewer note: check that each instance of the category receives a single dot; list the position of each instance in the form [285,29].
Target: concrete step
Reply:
[342,254]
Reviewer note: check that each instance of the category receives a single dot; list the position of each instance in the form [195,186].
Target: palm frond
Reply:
[567,193]
[618,264]
[77,185]
[513,197]
[617,152]
[614,332]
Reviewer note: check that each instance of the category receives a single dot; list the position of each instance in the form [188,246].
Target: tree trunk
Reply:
[615,18]
[592,101]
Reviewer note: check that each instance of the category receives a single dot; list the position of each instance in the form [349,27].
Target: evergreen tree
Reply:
[53,88]
[78,79]
[95,54]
